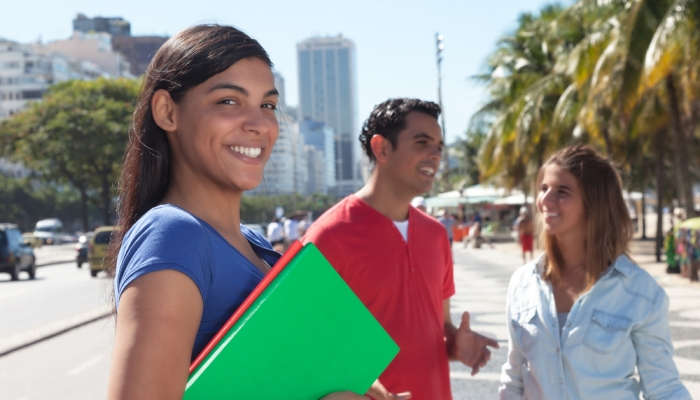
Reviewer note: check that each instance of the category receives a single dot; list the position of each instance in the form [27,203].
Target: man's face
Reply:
[414,161]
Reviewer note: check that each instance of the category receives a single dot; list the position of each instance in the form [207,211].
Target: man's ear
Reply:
[381,147]
[163,110]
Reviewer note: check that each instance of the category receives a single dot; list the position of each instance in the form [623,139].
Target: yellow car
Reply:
[98,248]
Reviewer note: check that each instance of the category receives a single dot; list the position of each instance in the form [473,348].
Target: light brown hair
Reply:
[608,224]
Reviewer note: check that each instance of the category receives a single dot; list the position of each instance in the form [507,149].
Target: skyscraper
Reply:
[328,93]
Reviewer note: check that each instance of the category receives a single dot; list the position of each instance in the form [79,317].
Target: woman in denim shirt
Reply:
[584,321]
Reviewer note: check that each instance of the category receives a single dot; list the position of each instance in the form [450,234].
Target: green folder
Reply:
[301,334]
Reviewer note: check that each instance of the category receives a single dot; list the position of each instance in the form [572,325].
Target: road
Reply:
[75,364]
[60,295]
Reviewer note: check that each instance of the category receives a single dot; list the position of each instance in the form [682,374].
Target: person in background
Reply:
[291,228]
[488,231]
[526,230]
[584,320]
[448,222]
[275,234]
[396,258]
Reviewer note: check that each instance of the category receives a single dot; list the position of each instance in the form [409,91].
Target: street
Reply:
[75,364]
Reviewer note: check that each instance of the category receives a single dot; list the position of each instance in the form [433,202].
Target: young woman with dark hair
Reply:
[203,128]
[585,322]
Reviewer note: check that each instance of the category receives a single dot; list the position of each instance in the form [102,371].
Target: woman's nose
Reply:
[547,197]
[256,122]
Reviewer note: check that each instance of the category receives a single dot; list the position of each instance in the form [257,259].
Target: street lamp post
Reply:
[439,46]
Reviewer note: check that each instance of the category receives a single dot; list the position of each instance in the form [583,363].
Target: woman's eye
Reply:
[228,102]
[270,106]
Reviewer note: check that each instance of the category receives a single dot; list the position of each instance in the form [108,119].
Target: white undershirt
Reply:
[402,226]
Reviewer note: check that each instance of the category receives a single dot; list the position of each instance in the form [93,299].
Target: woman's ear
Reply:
[381,147]
[163,110]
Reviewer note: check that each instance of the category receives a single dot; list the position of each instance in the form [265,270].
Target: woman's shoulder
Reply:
[636,279]
[170,218]
[165,228]
[527,272]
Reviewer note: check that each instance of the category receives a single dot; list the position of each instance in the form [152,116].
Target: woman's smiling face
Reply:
[226,127]
[560,202]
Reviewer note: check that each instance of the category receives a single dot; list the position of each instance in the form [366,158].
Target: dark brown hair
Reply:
[389,118]
[184,61]
[608,224]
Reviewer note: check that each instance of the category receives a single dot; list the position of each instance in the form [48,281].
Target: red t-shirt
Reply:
[402,284]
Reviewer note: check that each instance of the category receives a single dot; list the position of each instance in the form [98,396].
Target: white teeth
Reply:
[252,152]
[427,170]
[551,214]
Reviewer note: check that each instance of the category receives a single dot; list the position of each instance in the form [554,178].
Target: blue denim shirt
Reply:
[618,325]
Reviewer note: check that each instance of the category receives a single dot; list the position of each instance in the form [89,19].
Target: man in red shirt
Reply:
[398,259]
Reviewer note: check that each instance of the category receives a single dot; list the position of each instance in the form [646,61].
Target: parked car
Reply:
[49,231]
[15,254]
[81,249]
[30,239]
[98,247]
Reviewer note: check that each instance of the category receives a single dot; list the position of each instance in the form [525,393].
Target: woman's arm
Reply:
[652,342]
[159,314]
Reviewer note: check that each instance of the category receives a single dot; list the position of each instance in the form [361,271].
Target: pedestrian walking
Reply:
[396,258]
[525,229]
[583,319]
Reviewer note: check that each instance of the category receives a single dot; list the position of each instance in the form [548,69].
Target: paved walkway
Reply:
[481,277]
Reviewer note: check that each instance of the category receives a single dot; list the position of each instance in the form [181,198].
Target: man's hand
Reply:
[471,347]
[378,392]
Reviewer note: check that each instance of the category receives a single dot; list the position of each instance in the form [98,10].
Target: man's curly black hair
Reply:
[389,118]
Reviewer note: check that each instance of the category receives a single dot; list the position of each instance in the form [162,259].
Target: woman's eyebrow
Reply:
[240,89]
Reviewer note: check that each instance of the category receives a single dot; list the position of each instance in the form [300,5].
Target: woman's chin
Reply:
[248,184]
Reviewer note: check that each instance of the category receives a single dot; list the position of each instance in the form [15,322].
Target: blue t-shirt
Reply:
[168,237]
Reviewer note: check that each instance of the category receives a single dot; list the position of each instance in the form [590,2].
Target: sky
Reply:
[395,40]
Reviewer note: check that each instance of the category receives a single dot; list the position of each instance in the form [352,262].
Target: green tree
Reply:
[76,136]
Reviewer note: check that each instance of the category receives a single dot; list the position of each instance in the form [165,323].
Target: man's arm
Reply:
[465,345]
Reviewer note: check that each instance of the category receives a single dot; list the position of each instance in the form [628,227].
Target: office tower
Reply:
[138,50]
[320,136]
[279,85]
[328,93]
[286,171]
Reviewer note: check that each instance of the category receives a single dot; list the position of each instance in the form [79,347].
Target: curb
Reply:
[54,262]
[23,340]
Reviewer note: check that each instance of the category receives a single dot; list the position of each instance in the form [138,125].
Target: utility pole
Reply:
[439,47]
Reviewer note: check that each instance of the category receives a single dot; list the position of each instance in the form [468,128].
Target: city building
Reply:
[115,26]
[95,48]
[316,167]
[138,50]
[320,136]
[24,77]
[328,93]
[279,175]
[280,86]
